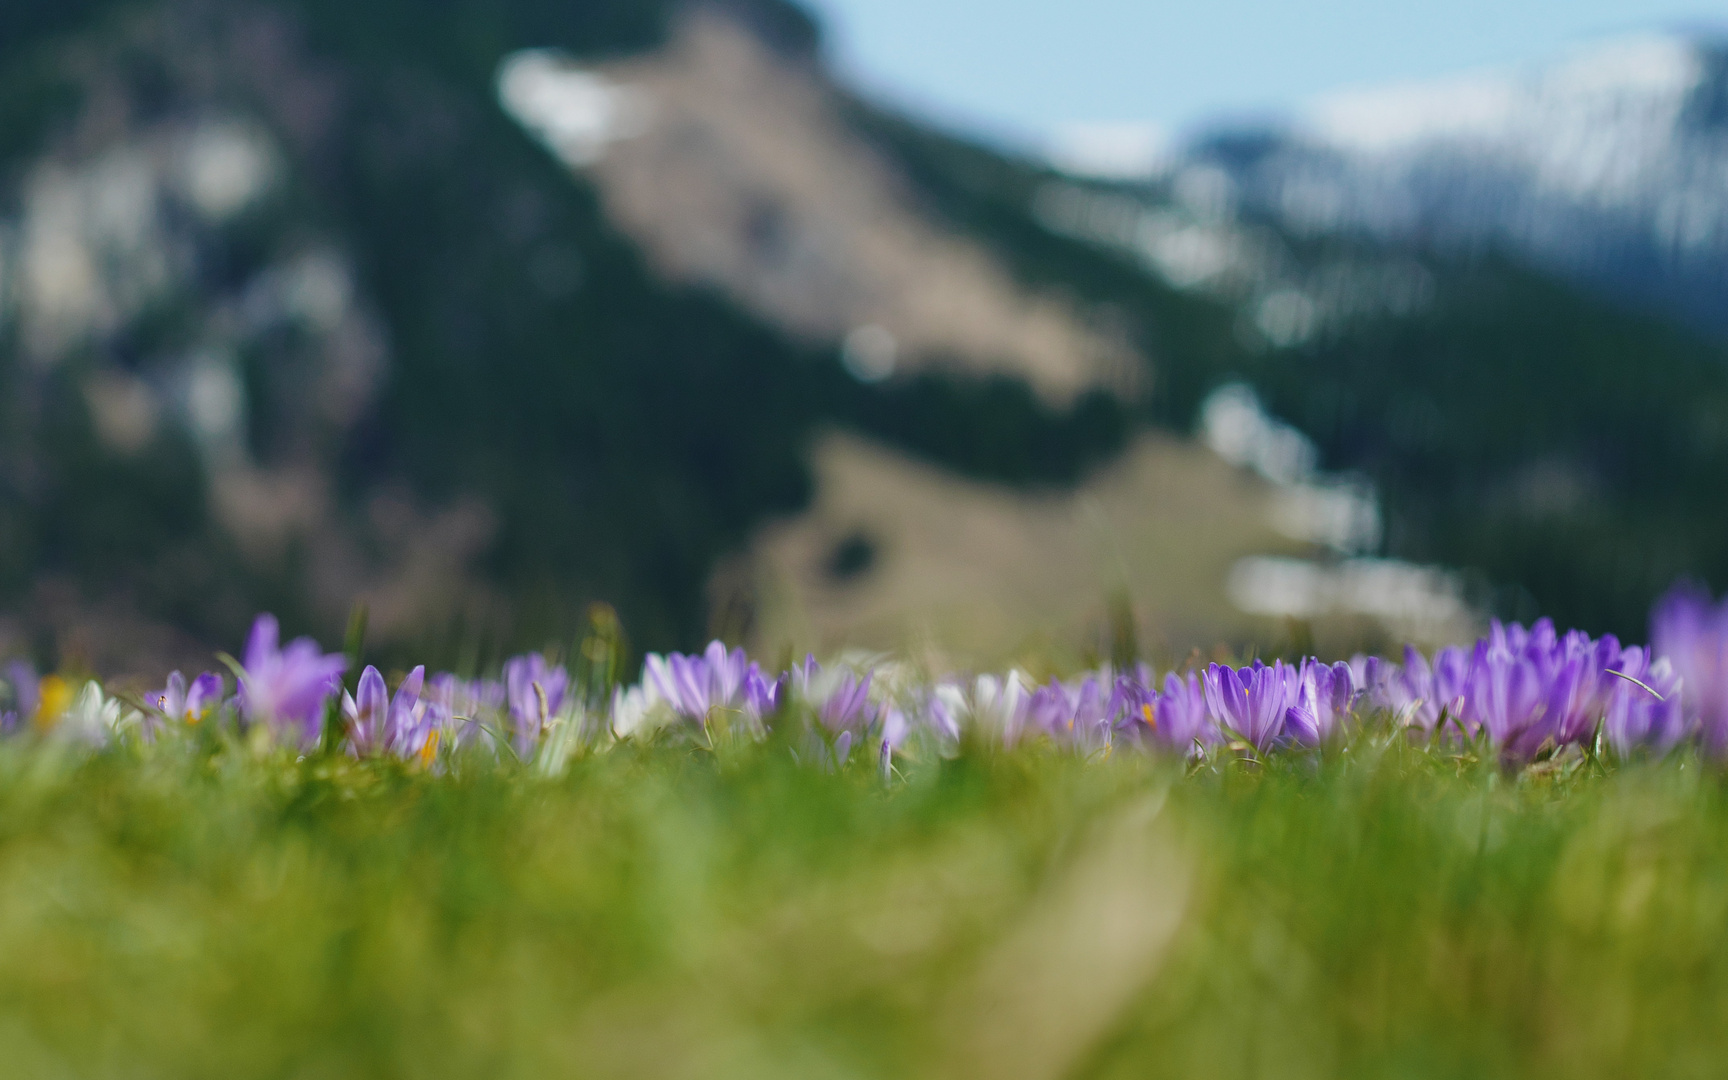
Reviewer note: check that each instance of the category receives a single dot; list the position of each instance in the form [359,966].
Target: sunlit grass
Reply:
[669,911]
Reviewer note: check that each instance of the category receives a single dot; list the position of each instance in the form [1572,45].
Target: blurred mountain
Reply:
[481,310]
[1609,166]
[293,312]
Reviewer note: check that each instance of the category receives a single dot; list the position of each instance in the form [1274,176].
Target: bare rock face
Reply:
[732,164]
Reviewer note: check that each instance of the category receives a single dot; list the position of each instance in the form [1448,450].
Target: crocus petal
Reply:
[204,695]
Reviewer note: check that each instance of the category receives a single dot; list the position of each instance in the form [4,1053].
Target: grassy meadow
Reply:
[212,909]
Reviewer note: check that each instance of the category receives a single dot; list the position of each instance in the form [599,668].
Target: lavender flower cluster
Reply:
[1521,693]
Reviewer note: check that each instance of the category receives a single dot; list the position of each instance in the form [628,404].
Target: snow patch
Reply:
[576,113]
[1420,602]
[1626,80]
[1115,150]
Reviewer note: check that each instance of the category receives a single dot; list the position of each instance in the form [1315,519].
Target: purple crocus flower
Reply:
[1131,711]
[1571,670]
[433,727]
[695,685]
[364,715]
[25,699]
[942,707]
[412,721]
[189,703]
[844,703]
[1051,710]
[896,727]
[381,724]
[1371,675]
[446,690]
[1250,702]
[727,670]
[1175,718]
[1506,694]
[534,693]
[1514,639]
[1647,714]
[840,699]
[286,689]
[1601,655]
[1419,693]
[762,698]
[1079,716]
[1522,702]
[1692,632]
[179,703]
[1322,698]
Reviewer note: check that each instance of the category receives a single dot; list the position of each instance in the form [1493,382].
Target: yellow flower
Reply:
[53,697]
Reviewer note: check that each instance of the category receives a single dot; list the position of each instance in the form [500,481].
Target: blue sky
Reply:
[1019,70]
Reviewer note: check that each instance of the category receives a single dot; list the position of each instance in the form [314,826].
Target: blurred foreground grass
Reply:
[666,911]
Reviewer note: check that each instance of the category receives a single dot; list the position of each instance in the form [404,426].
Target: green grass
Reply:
[665,911]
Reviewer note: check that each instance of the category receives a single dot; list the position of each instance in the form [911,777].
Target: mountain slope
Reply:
[1564,452]
[380,344]
[1609,166]
[293,311]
